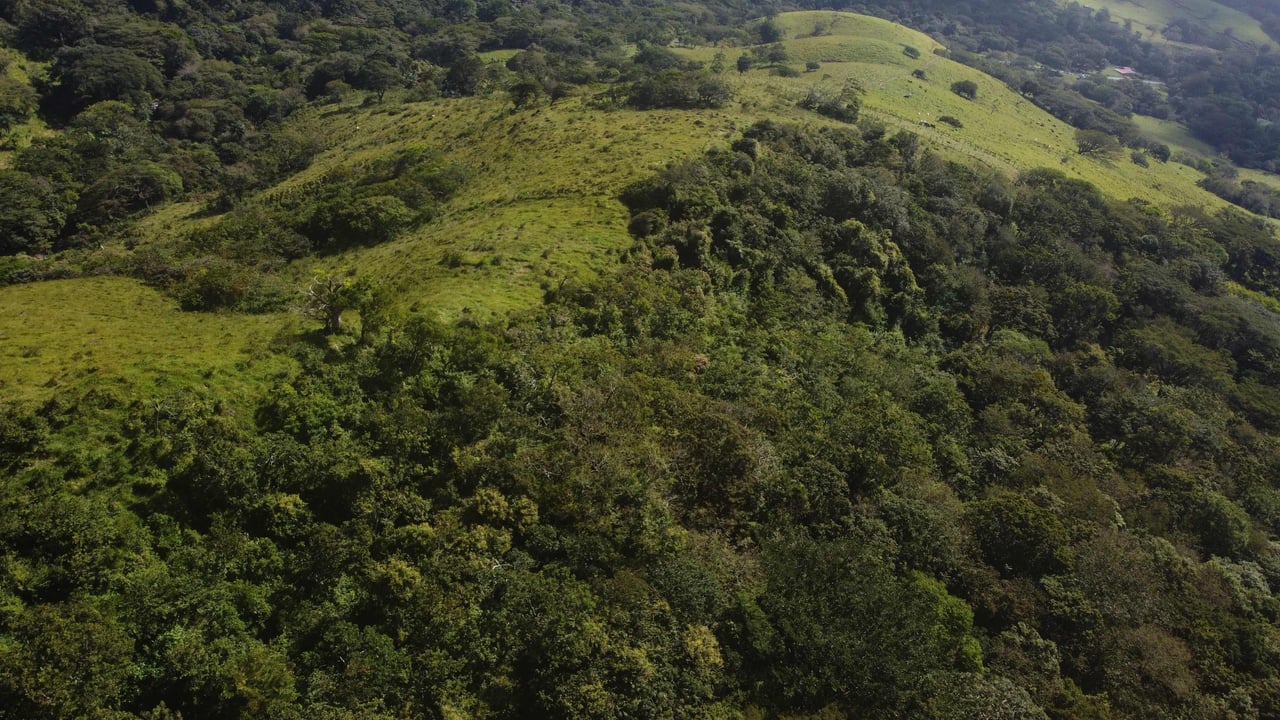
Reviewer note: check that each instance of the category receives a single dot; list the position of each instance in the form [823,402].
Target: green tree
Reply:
[1017,536]
[65,660]
[466,76]
[18,101]
[525,92]
[839,628]
[126,190]
[86,74]
[770,31]
[331,294]
[32,212]
[966,89]
[46,25]
[378,76]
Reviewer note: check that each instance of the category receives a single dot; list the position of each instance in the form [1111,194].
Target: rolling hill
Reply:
[541,205]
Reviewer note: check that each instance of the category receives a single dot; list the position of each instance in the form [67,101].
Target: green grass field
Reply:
[69,334]
[1180,139]
[1174,135]
[541,205]
[1149,18]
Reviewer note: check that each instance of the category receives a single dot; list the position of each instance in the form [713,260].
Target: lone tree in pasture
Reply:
[966,89]
[525,92]
[1097,144]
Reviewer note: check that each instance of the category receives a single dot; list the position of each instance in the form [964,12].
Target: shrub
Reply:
[812,66]
[951,120]
[679,89]
[910,52]
[366,220]
[966,89]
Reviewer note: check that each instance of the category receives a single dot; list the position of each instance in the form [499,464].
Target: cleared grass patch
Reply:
[64,335]
[1180,139]
[1173,134]
[540,206]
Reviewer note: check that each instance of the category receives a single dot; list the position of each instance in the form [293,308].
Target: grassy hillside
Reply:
[1180,139]
[541,205]
[1149,18]
[1001,129]
[1174,135]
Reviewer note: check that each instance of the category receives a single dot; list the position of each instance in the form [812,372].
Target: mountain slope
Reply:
[540,206]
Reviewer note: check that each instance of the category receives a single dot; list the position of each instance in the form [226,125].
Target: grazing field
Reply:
[540,207]
[1150,18]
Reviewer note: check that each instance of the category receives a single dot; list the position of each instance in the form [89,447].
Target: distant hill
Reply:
[1190,22]
[541,204]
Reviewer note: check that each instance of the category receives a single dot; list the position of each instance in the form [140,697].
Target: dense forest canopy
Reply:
[852,429]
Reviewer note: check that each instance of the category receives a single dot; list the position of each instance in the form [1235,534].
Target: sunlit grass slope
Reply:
[1180,139]
[18,67]
[1173,134]
[105,331]
[1149,18]
[1002,130]
[541,205]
